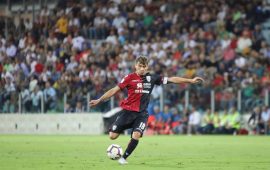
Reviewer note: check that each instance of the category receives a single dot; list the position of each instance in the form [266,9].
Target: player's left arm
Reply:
[178,80]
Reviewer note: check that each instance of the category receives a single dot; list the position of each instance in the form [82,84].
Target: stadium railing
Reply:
[202,99]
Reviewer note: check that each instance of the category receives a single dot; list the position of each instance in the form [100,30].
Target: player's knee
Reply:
[136,135]
[113,136]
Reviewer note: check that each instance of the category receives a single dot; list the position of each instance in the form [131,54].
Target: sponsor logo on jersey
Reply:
[147,85]
[139,85]
[135,80]
[142,91]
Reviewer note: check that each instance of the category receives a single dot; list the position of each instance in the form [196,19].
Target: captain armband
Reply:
[165,80]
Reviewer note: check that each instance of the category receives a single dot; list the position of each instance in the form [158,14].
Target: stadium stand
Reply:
[56,59]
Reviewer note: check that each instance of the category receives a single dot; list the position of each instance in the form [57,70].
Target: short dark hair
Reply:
[142,60]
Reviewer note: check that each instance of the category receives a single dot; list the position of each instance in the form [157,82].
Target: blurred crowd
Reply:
[192,121]
[87,46]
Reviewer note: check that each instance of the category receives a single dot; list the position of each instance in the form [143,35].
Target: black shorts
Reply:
[130,119]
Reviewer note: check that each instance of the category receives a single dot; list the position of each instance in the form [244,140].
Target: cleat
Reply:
[122,161]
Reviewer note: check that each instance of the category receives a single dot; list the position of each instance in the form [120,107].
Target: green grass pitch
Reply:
[21,152]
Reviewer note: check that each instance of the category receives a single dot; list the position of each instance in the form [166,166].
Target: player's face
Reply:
[141,69]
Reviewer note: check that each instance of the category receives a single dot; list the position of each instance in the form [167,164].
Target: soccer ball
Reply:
[114,151]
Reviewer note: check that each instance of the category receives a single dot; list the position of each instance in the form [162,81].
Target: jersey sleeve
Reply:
[124,82]
[159,80]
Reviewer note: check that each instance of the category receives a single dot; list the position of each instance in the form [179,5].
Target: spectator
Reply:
[223,124]
[207,123]
[177,122]
[52,40]
[49,97]
[26,99]
[68,108]
[194,121]
[11,49]
[62,26]
[233,121]
[216,121]
[79,108]
[36,97]
[77,42]
[166,118]
[266,118]
[155,124]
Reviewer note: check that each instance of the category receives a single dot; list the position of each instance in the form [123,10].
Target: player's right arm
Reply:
[105,96]
[123,84]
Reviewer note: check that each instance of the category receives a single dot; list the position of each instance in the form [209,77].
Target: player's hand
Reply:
[197,80]
[94,102]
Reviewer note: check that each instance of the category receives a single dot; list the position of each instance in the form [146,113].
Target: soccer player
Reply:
[134,114]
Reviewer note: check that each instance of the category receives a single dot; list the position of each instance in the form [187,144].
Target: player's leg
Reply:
[139,126]
[131,147]
[121,123]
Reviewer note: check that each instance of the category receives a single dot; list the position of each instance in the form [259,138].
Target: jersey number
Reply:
[142,126]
